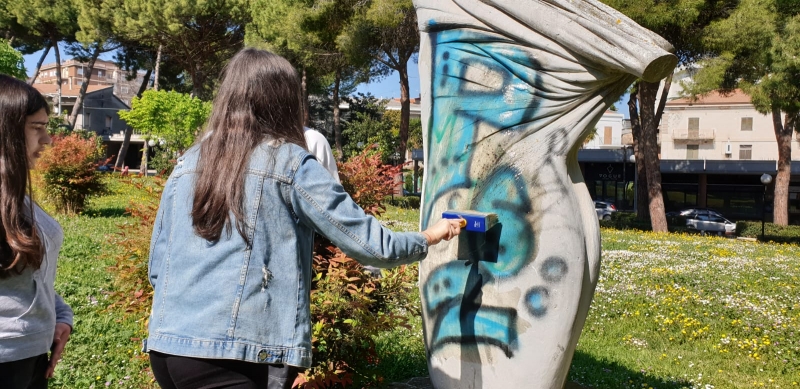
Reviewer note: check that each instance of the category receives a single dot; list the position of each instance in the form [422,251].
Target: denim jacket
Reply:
[228,300]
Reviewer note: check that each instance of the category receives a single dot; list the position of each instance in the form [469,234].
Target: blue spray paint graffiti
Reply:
[487,84]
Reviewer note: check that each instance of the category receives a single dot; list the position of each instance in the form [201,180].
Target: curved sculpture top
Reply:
[510,88]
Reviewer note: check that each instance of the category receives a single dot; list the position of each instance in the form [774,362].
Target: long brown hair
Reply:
[259,99]
[20,244]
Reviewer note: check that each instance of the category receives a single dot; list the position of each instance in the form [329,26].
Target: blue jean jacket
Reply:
[226,300]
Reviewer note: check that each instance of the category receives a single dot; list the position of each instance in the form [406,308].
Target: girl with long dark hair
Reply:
[230,258]
[33,318]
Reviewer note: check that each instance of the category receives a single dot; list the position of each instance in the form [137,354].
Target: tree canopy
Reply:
[756,49]
[11,61]
[170,116]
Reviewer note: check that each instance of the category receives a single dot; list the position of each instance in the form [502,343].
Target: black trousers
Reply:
[176,372]
[24,374]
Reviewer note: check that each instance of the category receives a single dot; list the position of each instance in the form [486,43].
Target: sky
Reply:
[387,87]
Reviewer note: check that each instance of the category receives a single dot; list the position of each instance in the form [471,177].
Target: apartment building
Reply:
[103,73]
[718,127]
[714,151]
[99,111]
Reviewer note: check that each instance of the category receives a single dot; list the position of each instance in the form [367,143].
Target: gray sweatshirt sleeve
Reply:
[63,311]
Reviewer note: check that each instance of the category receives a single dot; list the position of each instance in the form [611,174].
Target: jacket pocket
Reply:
[25,308]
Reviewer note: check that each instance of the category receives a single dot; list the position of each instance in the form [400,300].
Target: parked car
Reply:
[708,221]
[695,212]
[604,210]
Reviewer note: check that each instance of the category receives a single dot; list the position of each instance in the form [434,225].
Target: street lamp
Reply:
[766,179]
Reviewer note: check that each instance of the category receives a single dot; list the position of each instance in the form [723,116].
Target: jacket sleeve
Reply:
[322,204]
[63,311]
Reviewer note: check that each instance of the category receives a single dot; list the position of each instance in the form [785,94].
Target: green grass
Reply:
[683,311]
[670,311]
[104,347]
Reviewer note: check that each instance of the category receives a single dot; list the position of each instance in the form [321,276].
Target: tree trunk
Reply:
[306,107]
[198,80]
[157,68]
[662,102]
[87,76]
[652,162]
[642,209]
[405,110]
[337,131]
[783,135]
[58,74]
[126,141]
[39,64]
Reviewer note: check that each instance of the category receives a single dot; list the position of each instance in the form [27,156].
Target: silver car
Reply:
[708,221]
[604,210]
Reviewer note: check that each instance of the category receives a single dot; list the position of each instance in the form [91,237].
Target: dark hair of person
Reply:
[20,244]
[259,99]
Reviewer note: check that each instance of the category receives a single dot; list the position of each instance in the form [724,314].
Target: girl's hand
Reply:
[444,229]
[60,339]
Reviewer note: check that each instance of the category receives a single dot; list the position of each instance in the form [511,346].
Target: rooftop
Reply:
[715,98]
[52,89]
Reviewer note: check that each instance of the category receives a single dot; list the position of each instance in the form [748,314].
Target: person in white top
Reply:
[319,147]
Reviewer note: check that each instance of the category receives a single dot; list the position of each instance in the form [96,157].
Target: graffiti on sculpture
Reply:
[509,89]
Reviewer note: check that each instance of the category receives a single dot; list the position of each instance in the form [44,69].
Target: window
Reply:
[694,128]
[745,152]
[607,135]
[101,73]
[109,120]
[80,71]
[747,124]
[125,90]
[64,72]
[692,151]
[79,82]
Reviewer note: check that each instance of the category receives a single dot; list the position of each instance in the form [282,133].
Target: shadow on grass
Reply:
[586,372]
[592,373]
[106,212]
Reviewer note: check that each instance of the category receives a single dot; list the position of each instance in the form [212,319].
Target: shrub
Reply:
[69,172]
[407,202]
[349,308]
[367,180]
[772,232]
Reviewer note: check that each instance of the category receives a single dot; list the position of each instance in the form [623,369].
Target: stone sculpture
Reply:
[510,88]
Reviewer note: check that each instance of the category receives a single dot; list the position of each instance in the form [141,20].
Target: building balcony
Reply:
[693,137]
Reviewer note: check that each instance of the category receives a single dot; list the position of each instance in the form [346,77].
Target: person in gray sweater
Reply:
[33,318]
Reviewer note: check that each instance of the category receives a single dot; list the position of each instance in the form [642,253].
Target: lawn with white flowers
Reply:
[675,311]
[684,311]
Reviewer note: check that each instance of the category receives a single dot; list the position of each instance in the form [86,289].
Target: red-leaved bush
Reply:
[367,180]
[69,171]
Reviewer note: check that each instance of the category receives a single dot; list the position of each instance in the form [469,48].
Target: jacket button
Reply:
[262,355]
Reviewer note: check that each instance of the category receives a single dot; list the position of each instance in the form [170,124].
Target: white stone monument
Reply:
[510,88]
